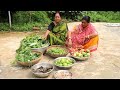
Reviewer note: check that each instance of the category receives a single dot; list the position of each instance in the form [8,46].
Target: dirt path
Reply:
[105,62]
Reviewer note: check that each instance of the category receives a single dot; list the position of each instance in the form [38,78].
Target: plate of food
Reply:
[63,74]
[83,54]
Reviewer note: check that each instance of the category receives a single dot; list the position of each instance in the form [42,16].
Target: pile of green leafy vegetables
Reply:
[34,41]
[24,53]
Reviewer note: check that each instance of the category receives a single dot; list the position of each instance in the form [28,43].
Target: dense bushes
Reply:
[69,15]
[25,20]
[104,16]
[96,16]
[30,16]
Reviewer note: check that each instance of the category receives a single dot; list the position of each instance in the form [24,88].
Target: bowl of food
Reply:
[42,70]
[29,58]
[63,74]
[64,62]
[83,54]
[57,51]
[41,46]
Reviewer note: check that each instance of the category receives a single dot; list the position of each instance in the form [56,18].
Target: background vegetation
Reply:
[26,20]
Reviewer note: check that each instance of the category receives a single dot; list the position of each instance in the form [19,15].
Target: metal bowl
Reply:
[42,49]
[41,74]
[64,67]
[63,74]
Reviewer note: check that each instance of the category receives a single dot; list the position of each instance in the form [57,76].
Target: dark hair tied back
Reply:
[86,18]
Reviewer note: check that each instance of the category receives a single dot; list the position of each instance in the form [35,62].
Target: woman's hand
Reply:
[91,36]
[87,36]
[46,34]
[80,47]
[45,37]
[69,43]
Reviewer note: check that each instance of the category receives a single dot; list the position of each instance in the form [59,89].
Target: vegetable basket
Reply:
[32,62]
[80,58]
[57,55]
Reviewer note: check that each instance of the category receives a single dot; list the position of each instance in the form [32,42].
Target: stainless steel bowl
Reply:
[64,67]
[41,74]
[42,49]
[63,74]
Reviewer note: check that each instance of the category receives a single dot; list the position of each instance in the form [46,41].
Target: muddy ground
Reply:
[104,63]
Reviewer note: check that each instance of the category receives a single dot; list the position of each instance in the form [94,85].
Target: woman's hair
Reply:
[86,18]
[57,12]
[53,16]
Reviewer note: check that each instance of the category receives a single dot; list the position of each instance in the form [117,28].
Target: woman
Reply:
[57,30]
[83,36]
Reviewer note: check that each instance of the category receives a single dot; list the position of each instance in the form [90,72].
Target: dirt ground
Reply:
[104,63]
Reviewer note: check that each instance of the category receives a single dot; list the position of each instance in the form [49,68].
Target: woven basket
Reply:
[30,63]
[56,55]
[81,59]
